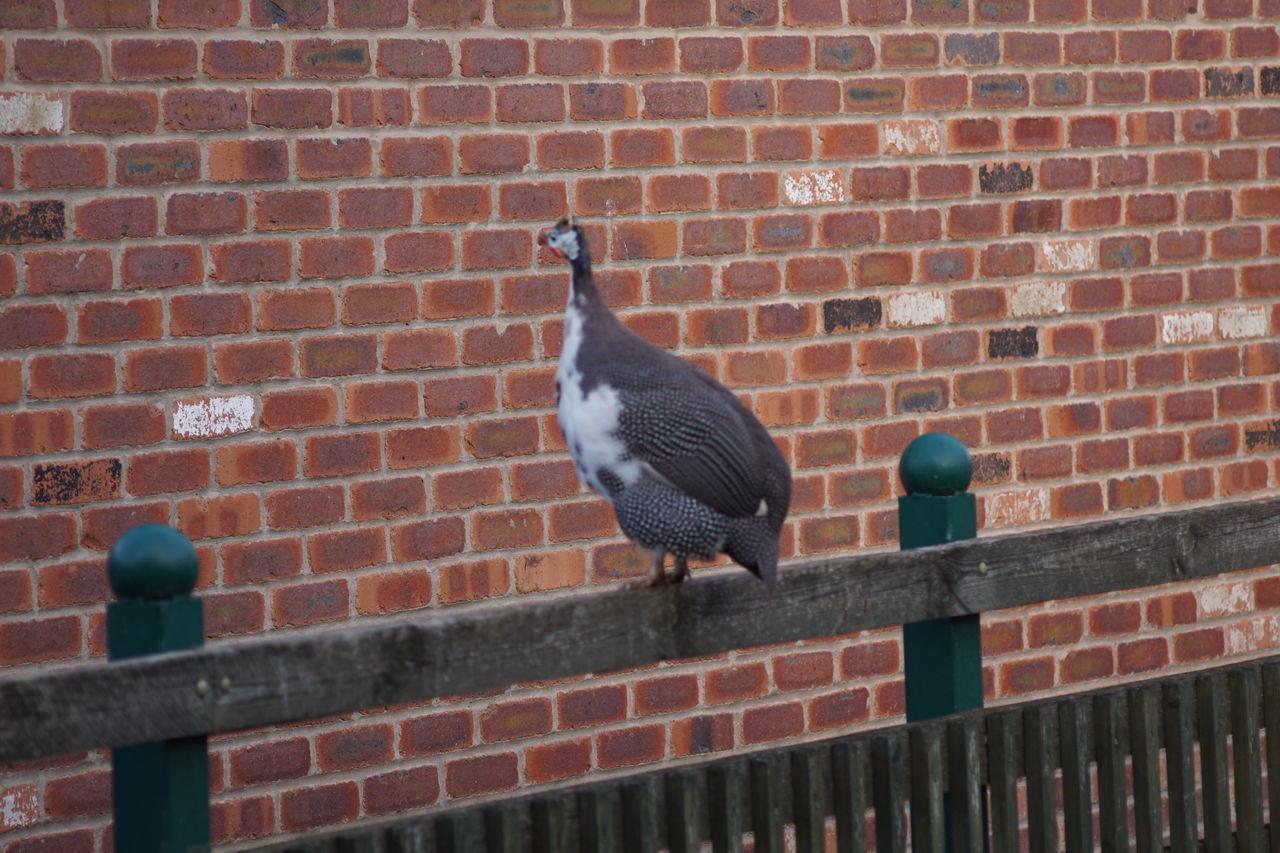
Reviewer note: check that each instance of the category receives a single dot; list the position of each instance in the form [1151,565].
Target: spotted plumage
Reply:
[689,470]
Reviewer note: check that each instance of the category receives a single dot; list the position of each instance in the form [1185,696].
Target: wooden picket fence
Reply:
[1138,755]
[1172,764]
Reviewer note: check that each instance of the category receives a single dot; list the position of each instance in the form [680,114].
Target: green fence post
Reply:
[159,791]
[942,657]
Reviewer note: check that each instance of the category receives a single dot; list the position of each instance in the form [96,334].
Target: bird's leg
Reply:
[655,576]
[681,570]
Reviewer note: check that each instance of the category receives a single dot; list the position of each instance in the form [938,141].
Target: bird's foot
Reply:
[655,576]
[681,570]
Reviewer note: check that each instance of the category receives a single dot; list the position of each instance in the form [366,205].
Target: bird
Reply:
[689,470]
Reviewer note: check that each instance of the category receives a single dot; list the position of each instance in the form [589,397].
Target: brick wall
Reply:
[269,275]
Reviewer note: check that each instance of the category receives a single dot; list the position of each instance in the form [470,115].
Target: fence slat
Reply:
[502,829]
[889,770]
[640,817]
[766,804]
[807,801]
[964,775]
[1246,693]
[1109,746]
[726,791]
[1211,700]
[1002,780]
[1144,726]
[684,833]
[460,832]
[849,788]
[1271,719]
[550,817]
[928,821]
[415,837]
[598,820]
[1077,792]
[1179,737]
[1039,763]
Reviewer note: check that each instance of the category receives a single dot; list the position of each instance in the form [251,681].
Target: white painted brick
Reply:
[1017,506]
[1039,298]
[912,136]
[30,113]
[1066,255]
[819,186]
[19,807]
[1252,635]
[1242,321]
[1225,599]
[1184,327]
[212,416]
[917,309]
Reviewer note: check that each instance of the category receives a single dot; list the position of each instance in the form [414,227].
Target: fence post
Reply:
[159,791]
[942,658]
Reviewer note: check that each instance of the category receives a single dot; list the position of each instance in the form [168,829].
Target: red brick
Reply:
[436,733]
[427,540]
[253,361]
[400,790]
[304,507]
[322,805]
[374,107]
[772,722]
[116,218]
[309,603]
[63,166]
[36,640]
[167,471]
[292,109]
[120,425]
[100,111]
[234,160]
[206,213]
[414,447]
[631,746]
[243,59]
[256,260]
[152,59]
[387,592]
[257,462]
[57,60]
[549,762]
[33,325]
[345,550]
[209,314]
[309,308]
[453,490]
[337,455]
[735,683]
[470,777]
[161,265]
[33,537]
[516,719]
[566,57]
[1198,645]
[71,375]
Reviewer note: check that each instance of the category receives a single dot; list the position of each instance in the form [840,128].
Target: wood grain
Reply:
[270,680]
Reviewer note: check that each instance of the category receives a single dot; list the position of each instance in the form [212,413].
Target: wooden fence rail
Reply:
[240,685]
[1076,773]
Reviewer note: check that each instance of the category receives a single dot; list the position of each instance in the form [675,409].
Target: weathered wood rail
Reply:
[1085,758]
[240,685]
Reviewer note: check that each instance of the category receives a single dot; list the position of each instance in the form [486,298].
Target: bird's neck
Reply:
[582,284]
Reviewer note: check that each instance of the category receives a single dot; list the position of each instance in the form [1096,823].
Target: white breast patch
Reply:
[590,420]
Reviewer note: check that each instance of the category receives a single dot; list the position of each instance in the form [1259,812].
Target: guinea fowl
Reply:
[689,470]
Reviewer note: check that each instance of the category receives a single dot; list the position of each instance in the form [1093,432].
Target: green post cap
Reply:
[935,464]
[152,561]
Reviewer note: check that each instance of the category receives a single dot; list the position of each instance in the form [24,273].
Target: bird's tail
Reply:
[753,545]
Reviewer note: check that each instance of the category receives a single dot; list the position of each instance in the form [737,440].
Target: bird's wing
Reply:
[692,432]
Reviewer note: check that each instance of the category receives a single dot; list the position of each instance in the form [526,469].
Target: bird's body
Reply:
[689,470]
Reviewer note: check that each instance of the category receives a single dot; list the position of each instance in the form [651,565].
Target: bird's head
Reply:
[564,239]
